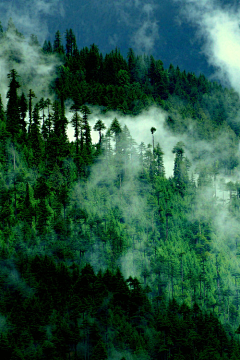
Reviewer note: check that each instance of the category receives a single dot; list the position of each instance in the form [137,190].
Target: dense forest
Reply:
[102,255]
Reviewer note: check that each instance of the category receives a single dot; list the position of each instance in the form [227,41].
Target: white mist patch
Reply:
[143,25]
[29,16]
[129,266]
[219,27]
[36,70]
[140,130]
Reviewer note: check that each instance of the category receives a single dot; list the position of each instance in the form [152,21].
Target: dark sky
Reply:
[154,27]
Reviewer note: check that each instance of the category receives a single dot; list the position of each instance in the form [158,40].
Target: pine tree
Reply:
[23,112]
[30,95]
[116,129]
[33,41]
[13,113]
[153,129]
[99,126]
[92,64]
[57,139]
[77,123]
[87,135]
[43,215]
[42,105]
[11,30]
[57,45]
[131,64]
[180,171]
[158,154]
[35,137]
[28,210]
[2,112]
[47,126]
[70,42]
[47,47]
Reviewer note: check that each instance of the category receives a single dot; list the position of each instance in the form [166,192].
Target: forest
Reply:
[104,256]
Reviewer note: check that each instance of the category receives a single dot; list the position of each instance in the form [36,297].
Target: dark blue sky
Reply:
[154,27]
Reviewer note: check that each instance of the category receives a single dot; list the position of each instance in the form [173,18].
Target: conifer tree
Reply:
[87,134]
[42,105]
[4,135]
[33,41]
[153,129]
[116,129]
[92,64]
[131,64]
[180,171]
[70,42]
[56,140]
[23,112]
[35,137]
[46,129]
[30,95]
[13,113]
[77,123]
[2,112]
[43,215]
[11,29]
[99,126]
[158,154]
[28,207]
[56,119]
[47,47]
[152,70]
[57,45]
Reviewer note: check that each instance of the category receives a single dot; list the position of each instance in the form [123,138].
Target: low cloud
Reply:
[218,26]
[29,16]
[140,18]
[35,69]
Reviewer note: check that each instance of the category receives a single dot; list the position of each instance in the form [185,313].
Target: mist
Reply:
[218,26]
[30,16]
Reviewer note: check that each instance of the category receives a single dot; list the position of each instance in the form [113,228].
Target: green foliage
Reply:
[64,205]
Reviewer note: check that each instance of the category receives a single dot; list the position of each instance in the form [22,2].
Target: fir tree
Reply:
[35,137]
[77,123]
[99,126]
[30,95]
[23,112]
[57,45]
[47,47]
[180,171]
[13,113]
[70,43]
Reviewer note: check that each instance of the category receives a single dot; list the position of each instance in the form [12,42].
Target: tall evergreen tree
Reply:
[57,45]
[28,210]
[180,171]
[23,112]
[30,95]
[131,64]
[47,47]
[116,129]
[71,44]
[87,133]
[158,155]
[77,123]
[2,112]
[13,113]
[153,129]
[35,137]
[99,126]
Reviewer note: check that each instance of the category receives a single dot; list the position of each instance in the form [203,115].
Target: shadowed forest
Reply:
[102,255]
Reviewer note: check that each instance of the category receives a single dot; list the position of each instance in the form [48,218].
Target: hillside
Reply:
[104,255]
